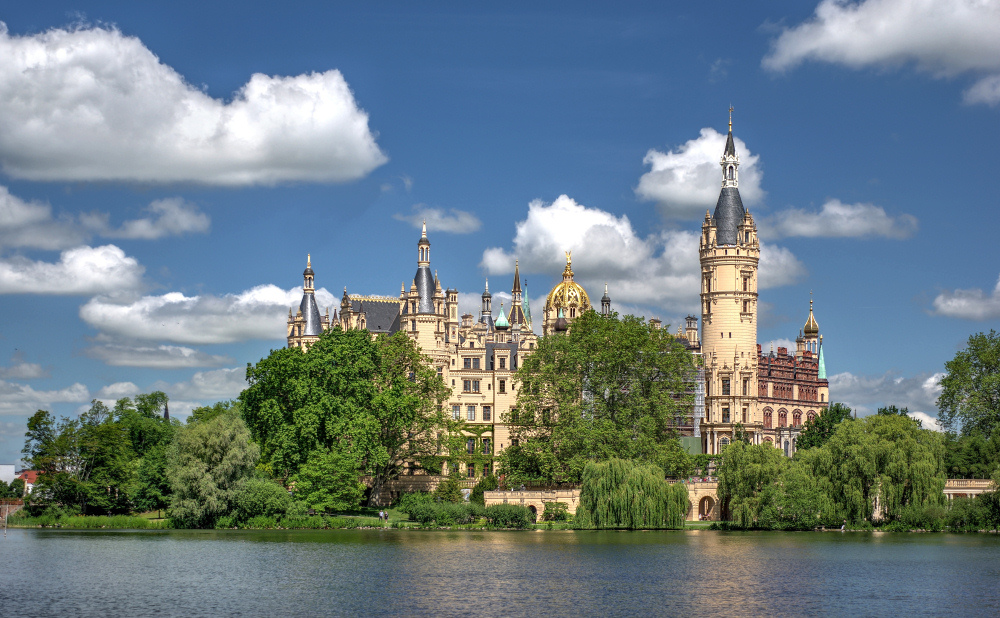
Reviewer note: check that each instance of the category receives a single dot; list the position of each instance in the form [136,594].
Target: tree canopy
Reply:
[970,390]
[349,400]
[611,387]
[818,429]
[618,493]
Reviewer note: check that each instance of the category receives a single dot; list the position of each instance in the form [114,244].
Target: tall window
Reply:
[503,362]
[486,450]
[767,419]
[456,412]
[475,363]
[503,386]
[467,362]
[797,418]
[725,415]
[475,386]
[725,386]
[472,471]
[744,416]
[746,386]
[782,418]
[487,413]
[470,446]
[746,280]
[470,413]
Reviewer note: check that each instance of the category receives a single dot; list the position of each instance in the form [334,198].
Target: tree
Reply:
[149,434]
[609,388]
[376,401]
[802,500]
[876,466]
[206,465]
[328,481]
[819,429]
[970,390]
[747,476]
[619,493]
[972,456]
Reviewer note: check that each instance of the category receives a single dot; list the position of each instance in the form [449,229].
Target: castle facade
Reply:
[769,395]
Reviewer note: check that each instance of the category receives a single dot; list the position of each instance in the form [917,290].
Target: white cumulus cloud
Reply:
[18,398]
[836,219]
[206,386]
[972,304]
[79,271]
[161,357]
[660,270]
[685,182]
[258,313]
[866,394]
[31,224]
[941,37]
[91,103]
[21,370]
[439,220]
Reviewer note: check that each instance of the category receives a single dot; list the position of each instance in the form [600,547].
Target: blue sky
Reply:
[166,167]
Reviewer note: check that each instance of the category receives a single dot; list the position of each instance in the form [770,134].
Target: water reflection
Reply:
[423,573]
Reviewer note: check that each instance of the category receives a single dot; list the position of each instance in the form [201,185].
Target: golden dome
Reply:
[811,328]
[568,293]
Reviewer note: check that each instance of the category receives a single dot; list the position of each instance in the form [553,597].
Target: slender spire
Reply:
[517,278]
[821,374]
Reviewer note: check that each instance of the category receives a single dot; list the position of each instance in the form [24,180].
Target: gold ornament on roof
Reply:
[568,293]
[811,328]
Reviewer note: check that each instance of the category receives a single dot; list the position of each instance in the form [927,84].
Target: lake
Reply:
[441,573]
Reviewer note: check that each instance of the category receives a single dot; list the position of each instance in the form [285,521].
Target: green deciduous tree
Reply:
[619,493]
[748,474]
[206,465]
[375,401]
[883,460]
[970,390]
[257,497]
[611,387]
[819,429]
[328,481]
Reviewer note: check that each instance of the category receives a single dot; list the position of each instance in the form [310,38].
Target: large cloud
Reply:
[31,224]
[866,394]
[21,370]
[207,386]
[79,271]
[685,182]
[437,220]
[18,398]
[973,304]
[94,104]
[942,37]
[837,219]
[258,313]
[660,270]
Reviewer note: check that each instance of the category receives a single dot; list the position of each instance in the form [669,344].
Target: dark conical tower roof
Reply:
[729,211]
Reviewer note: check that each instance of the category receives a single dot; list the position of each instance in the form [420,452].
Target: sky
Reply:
[165,168]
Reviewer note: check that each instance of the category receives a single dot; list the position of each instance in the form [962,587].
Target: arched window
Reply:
[731,172]
[786,448]
[767,418]
[724,442]
[811,416]
[782,418]
[797,418]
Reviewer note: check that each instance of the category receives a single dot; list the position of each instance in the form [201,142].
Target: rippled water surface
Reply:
[424,573]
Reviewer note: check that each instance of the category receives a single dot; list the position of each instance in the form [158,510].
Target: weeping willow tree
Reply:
[748,474]
[621,493]
[877,466]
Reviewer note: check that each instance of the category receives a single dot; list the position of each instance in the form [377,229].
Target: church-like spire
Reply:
[822,361]
[605,302]
[729,211]
[424,279]
[486,313]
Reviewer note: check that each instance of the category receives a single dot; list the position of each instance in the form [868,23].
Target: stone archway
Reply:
[705,507]
[534,512]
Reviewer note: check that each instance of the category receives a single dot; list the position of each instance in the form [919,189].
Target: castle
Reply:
[769,395]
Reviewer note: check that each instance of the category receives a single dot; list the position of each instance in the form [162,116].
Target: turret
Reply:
[605,302]
[423,280]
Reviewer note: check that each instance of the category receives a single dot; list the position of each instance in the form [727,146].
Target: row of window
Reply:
[783,418]
[470,412]
[472,362]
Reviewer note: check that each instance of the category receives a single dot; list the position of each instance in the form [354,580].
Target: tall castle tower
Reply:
[729,253]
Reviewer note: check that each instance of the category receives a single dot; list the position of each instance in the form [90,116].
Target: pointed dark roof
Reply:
[730,146]
[517,278]
[310,311]
[424,281]
[381,316]
[728,215]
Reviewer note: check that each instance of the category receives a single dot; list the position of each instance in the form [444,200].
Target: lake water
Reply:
[431,573]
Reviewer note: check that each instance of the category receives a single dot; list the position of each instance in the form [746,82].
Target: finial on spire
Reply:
[423,232]
[487,284]
[569,257]
[605,287]
[730,117]
[309,260]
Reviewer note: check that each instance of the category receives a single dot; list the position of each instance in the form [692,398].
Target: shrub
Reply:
[929,517]
[555,511]
[449,490]
[445,513]
[408,501]
[487,483]
[260,498]
[508,516]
